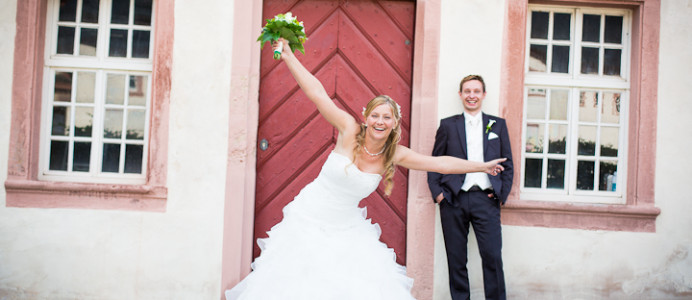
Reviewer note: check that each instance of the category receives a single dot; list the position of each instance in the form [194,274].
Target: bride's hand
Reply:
[286,51]
[493,167]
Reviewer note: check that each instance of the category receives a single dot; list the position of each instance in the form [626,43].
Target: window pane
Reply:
[142,12]
[532,173]
[560,59]
[68,10]
[556,174]
[65,40]
[61,121]
[610,112]
[587,140]
[140,44]
[90,11]
[607,178]
[589,60]
[591,31]
[113,123]
[87,42]
[111,158]
[58,156]
[135,124]
[609,141]
[537,62]
[133,158]
[63,87]
[611,61]
[118,43]
[138,91]
[558,139]
[534,138]
[82,155]
[536,104]
[588,106]
[85,87]
[561,26]
[115,89]
[83,121]
[558,104]
[120,13]
[585,170]
[613,30]
[539,25]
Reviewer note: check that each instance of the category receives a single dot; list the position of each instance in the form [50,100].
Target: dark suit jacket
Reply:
[451,140]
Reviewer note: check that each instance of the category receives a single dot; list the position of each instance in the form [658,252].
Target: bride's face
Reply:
[380,122]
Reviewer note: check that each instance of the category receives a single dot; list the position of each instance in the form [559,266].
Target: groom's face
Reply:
[472,96]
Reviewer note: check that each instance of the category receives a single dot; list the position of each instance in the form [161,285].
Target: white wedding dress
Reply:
[325,248]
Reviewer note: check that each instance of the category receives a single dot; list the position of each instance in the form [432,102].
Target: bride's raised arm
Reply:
[315,91]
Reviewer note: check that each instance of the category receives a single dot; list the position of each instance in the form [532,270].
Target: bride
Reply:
[325,248]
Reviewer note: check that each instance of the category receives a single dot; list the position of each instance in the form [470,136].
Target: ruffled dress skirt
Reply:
[325,248]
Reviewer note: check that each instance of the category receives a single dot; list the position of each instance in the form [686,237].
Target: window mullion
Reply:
[597,156]
[97,135]
[77,30]
[546,136]
[573,141]
[577,42]
[601,46]
[103,33]
[123,127]
[130,31]
[549,44]
[73,114]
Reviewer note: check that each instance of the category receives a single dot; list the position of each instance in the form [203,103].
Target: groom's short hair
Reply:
[469,78]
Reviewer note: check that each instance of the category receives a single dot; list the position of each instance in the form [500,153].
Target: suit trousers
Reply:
[483,213]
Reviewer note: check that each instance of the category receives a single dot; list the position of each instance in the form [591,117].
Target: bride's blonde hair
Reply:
[390,144]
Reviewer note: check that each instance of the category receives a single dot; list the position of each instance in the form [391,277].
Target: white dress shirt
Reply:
[474,149]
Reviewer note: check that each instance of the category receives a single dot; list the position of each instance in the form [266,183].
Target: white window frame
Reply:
[101,64]
[575,82]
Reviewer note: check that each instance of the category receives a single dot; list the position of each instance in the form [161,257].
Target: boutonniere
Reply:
[489,126]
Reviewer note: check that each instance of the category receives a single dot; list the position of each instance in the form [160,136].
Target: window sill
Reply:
[44,194]
[613,217]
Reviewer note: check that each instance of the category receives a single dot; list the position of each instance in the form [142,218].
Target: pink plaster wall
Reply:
[420,227]
[639,213]
[22,186]
[240,197]
[239,206]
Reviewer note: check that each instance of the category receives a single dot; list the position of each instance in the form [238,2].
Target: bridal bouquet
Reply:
[284,26]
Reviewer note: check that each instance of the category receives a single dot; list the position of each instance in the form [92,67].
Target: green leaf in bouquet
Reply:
[266,37]
[289,35]
[274,36]
[294,27]
[299,47]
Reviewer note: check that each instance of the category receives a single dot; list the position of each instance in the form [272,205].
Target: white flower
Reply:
[363,111]
[289,17]
[398,109]
[490,125]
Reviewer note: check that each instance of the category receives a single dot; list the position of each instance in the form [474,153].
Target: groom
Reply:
[473,198]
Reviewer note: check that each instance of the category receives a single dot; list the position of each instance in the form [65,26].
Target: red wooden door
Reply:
[358,50]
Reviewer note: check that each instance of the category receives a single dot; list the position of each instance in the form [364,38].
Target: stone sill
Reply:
[635,218]
[43,194]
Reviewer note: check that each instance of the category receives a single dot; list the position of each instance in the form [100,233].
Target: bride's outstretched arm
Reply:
[313,88]
[410,159]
